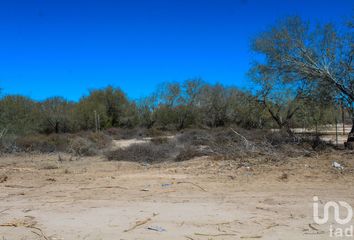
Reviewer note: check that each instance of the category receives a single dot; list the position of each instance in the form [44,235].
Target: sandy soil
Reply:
[91,198]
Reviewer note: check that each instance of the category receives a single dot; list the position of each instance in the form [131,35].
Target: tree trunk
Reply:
[288,129]
[352,131]
[150,124]
[350,142]
[56,127]
[351,134]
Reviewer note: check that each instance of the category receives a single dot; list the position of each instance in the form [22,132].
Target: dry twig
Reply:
[18,186]
[4,210]
[89,188]
[215,235]
[139,223]
[247,144]
[193,185]
[26,224]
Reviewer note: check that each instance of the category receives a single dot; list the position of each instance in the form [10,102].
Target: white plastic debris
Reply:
[337,165]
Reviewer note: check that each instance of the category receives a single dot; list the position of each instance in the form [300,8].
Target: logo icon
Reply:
[336,209]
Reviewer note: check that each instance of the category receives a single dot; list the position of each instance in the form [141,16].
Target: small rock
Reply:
[284,176]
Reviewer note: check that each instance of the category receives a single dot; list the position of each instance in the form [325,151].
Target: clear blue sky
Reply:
[65,47]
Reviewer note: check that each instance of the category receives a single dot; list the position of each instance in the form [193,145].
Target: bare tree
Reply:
[282,99]
[215,104]
[177,102]
[191,90]
[293,50]
[146,110]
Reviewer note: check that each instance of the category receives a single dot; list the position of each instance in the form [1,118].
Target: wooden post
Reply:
[343,119]
[98,123]
[336,131]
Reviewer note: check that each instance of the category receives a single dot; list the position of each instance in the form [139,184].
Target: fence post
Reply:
[336,132]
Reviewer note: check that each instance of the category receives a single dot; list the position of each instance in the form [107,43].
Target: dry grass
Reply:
[129,133]
[147,152]
[81,144]
[223,143]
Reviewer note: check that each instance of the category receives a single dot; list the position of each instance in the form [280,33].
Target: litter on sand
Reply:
[337,165]
[166,185]
[156,229]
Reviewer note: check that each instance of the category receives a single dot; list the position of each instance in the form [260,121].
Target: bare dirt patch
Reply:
[92,198]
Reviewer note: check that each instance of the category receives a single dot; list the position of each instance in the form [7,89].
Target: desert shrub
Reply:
[80,146]
[221,142]
[88,143]
[38,143]
[124,133]
[112,131]
[154,132]
[129,133]
[262,144]
[7,144]
[49,166]
[148,152]
[190,152]
[159,140]
[195,137]
[100,139]
[316,143]
[225,136]
[280,138]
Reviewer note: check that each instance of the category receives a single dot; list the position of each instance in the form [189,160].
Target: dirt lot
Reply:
[91,198]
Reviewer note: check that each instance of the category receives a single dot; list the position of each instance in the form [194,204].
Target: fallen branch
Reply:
[4,210]
[3,133]
[140,223]
[89,188]
[18,186]
[215,235]
[26,225]
[40,230]
[272,226]
[266,209]
[312,227]
[193,185]
[189,238]
[244,139]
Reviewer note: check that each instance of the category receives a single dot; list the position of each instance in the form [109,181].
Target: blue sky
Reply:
[65,47]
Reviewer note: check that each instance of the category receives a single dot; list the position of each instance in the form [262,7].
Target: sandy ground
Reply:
[91,198]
